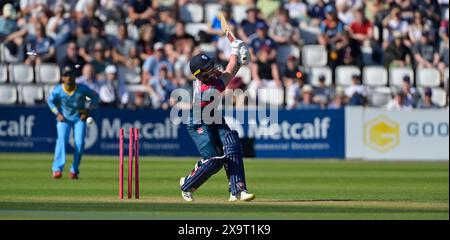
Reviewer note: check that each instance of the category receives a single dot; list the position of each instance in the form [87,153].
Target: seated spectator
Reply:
[87,47]
[397,54]
[89,78]
[322,92]
[152,64]
[317,13]
[146,41]
[361,28]
[297,10]
[112,90]
[294,80]
[165,26]
[430,9]
[160,88]
[394,23]
[248,25]
[410,93]
[307,99]
[344,12]
[215,29]
[338,99]
[398,103]
[282,31]
[264,72]
[416,28]
[261,40]
[356,92]
[140,100]
[59,27]
[72,58]
[85,22]
[10,34]
[41,45]
[426,102]
[425,52]
[122,46]
[346,52]
[331,31]
[140,11]
[181,38]
[100,59]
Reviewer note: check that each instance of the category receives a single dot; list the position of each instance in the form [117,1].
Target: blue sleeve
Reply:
[323,28]
[148,64]
[53,100]
[215,23]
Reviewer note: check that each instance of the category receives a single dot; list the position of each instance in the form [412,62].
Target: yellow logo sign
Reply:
[381,134]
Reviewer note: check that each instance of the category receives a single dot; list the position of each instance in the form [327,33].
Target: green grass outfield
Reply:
[285,189]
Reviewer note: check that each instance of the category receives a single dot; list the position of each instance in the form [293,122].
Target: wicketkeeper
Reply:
[217,143]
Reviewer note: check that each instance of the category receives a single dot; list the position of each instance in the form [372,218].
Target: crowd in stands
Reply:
[135,53]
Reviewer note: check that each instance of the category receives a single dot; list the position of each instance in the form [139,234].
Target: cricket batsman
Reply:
[68,102]
[218,145]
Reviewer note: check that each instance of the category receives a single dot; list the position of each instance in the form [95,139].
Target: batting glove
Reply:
[235,47]
[244,55]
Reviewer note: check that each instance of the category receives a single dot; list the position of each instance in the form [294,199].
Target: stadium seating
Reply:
[439,96]
[47,73]
[283,52]
[30,94]
[428,77]
[8,94]
[375,76]
[245,73]
[21,73]
[239,13]
[314,56]
[3,73]
[191,12]
[379,96]
[271,96]
[343,74]
[48,88]
[195,28]
[309,34]
[396,76]
[316,72]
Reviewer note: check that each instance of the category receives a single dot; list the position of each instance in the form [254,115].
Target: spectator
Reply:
[261,40]
[307,99]
[331,32]
[356,92]
[394,23]
[248,25]
[160,88]
[346,52]
[322,92]
[425,52]
[100,58]
[361,28]
[409,92]
[317,13]
[146,41]
[416,29]
[338,99]
[152,65]
[397,103]
[140,11]
[345,13]
[72,58]
[430,9]
[59,27]
[397,54]
[181,39]
[215,29]
[85,22]
[282,31]
[41,45]
[264,72]
[10,33]
[87,47]
[426,102]
[166,25]
[89,78]
[112,90]
[297,10]
[294,80]
[122,46]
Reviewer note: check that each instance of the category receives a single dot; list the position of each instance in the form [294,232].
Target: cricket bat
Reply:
[226,29]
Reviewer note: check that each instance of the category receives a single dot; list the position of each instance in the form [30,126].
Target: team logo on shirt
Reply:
[200,130]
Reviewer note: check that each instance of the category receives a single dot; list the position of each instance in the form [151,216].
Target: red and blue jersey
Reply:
[203,92]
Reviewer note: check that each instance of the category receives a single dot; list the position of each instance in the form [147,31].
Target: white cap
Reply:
[158,46]
[110,69]
[307,88]
[9,11]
